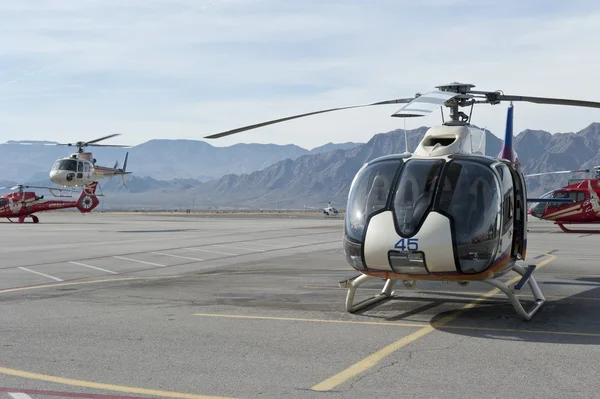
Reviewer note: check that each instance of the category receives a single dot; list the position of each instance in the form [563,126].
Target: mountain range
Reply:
[311,178]
[160,159]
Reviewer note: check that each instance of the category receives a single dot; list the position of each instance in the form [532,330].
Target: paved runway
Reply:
[184,306]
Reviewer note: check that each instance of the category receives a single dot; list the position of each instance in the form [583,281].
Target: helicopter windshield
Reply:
[369,194]
[415,193]
[538,208]
[469,195]
[65,164]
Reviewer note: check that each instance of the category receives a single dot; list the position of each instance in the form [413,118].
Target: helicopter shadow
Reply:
[568,319]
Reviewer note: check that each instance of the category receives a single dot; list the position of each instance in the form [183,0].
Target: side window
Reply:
[559,194]
[80,166]
[470,195]
[86,167]
[508,198]
[369,193]
[2,202]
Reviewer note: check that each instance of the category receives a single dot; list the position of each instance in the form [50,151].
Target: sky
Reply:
[185,69]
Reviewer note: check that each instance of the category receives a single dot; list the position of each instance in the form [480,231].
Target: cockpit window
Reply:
[559,194]
[2,202]
[415,192]
[369,194]
[65,164]
[538,208]
[469,194]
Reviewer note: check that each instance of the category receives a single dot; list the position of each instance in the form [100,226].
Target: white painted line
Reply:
[236,247]
[269,245]
[41,274]
[19,395]
[139,261]
[214,252]
[178,256]
[92,267]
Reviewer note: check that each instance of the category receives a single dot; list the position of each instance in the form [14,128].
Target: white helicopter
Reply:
[80,168]
[447,212]
[330,211]
[327,211]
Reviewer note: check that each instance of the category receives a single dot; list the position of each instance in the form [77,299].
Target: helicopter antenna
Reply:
[483,138]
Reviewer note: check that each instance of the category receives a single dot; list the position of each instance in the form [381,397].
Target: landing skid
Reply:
[510,291]
[60,192]
[563,228]
[21,219]
[69,192]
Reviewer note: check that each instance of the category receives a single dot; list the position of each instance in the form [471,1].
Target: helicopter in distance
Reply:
[330,211]
[447,212]
[80,168]
[583,207]
[327,211]
[23,204]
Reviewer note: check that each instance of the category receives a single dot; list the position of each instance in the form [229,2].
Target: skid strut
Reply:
[511,291]
[353,283]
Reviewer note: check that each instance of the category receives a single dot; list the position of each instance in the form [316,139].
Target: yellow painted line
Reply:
[376,357]
[37,287]
[393,324]
[548,332]
[368,323]
[106,387]
[463,293]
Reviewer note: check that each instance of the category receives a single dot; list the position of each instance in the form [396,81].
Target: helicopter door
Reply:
[86,170]
[80,170]
[520,215]
[510,237]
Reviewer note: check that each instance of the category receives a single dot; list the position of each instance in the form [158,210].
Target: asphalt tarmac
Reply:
[114,305]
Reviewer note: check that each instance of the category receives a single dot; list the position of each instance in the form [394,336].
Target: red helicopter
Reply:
[23,204]
[576,203]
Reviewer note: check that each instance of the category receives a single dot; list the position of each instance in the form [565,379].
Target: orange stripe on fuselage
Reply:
[498,268]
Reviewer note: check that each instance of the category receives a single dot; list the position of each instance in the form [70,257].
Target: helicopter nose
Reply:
[58,177]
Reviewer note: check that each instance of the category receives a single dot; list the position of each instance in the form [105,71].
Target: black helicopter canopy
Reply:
[466,190]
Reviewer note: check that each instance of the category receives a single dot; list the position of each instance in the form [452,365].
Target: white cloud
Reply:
[186,68]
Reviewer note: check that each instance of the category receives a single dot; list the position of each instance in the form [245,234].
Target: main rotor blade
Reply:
[559,172]
[425,104]
[547,100]
[108,145]
[255,126]
[102,138]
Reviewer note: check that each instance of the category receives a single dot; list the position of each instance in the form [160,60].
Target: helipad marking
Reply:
[177,256]
[139,261]
[237,247]
[106,387]
[40,273]
[463,293]
[35,287]
[214,252]
[376,357]
[232,316]
[92,267]
[394,324]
